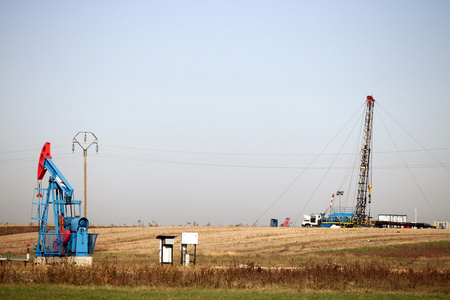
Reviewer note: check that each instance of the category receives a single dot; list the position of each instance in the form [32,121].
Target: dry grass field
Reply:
[241,241]
[384,262]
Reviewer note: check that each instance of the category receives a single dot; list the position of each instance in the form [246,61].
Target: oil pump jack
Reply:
[70,241]
[353,216]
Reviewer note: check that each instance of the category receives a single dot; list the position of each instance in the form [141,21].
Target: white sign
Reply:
[166,255]
[189,238]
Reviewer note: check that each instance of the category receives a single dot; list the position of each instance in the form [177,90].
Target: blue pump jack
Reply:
[70,237]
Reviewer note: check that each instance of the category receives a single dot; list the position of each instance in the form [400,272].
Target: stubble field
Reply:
[240,241]
[406,263]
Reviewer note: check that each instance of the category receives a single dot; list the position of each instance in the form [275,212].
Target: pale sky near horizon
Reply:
[207,111]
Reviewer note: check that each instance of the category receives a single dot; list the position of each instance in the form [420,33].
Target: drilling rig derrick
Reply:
[364,183]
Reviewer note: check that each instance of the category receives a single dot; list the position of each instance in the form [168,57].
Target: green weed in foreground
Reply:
[74,292]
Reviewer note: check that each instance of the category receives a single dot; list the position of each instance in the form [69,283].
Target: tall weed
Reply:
[308,276]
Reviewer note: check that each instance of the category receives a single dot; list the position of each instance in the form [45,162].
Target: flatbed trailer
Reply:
[389,224]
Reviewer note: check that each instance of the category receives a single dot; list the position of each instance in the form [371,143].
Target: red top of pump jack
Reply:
[45,153]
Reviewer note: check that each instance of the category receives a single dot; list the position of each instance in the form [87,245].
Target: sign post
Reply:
[188,238]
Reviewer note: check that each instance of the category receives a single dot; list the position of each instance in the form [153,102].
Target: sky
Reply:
[225,112]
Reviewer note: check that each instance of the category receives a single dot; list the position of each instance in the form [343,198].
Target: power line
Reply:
[420,144]
[238,154]
[150,160]
[412,175]
[300,175]
[28,150]
[129,158]
[32,159]
[262,154]
[328,169]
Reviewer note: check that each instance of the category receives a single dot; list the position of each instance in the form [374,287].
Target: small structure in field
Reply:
[188,238]
[166,248]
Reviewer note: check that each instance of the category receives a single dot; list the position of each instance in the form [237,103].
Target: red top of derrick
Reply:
[370,99]
[45,153]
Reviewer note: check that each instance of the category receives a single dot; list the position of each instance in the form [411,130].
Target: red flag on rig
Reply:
[331,203]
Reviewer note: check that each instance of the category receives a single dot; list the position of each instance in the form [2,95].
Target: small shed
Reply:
[166,248]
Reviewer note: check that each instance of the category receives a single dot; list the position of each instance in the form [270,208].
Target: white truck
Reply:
[312,220]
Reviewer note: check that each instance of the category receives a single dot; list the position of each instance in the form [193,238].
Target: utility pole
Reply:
[85,148]
[415,216]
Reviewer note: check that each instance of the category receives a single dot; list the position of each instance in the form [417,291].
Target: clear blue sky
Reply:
[208,80]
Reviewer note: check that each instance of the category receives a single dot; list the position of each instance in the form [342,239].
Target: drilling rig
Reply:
[364,187]
[353,216]
[70,241]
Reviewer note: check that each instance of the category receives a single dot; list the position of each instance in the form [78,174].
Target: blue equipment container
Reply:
[273,222]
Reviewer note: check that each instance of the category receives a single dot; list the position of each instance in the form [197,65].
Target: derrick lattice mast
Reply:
[364,186]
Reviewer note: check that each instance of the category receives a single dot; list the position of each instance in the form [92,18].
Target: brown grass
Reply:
[261,258]
[308,276]
[16,229]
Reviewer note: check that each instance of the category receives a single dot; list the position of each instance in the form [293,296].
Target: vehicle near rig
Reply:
[340,216]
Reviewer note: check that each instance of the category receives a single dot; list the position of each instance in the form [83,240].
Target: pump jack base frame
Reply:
[75,260]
